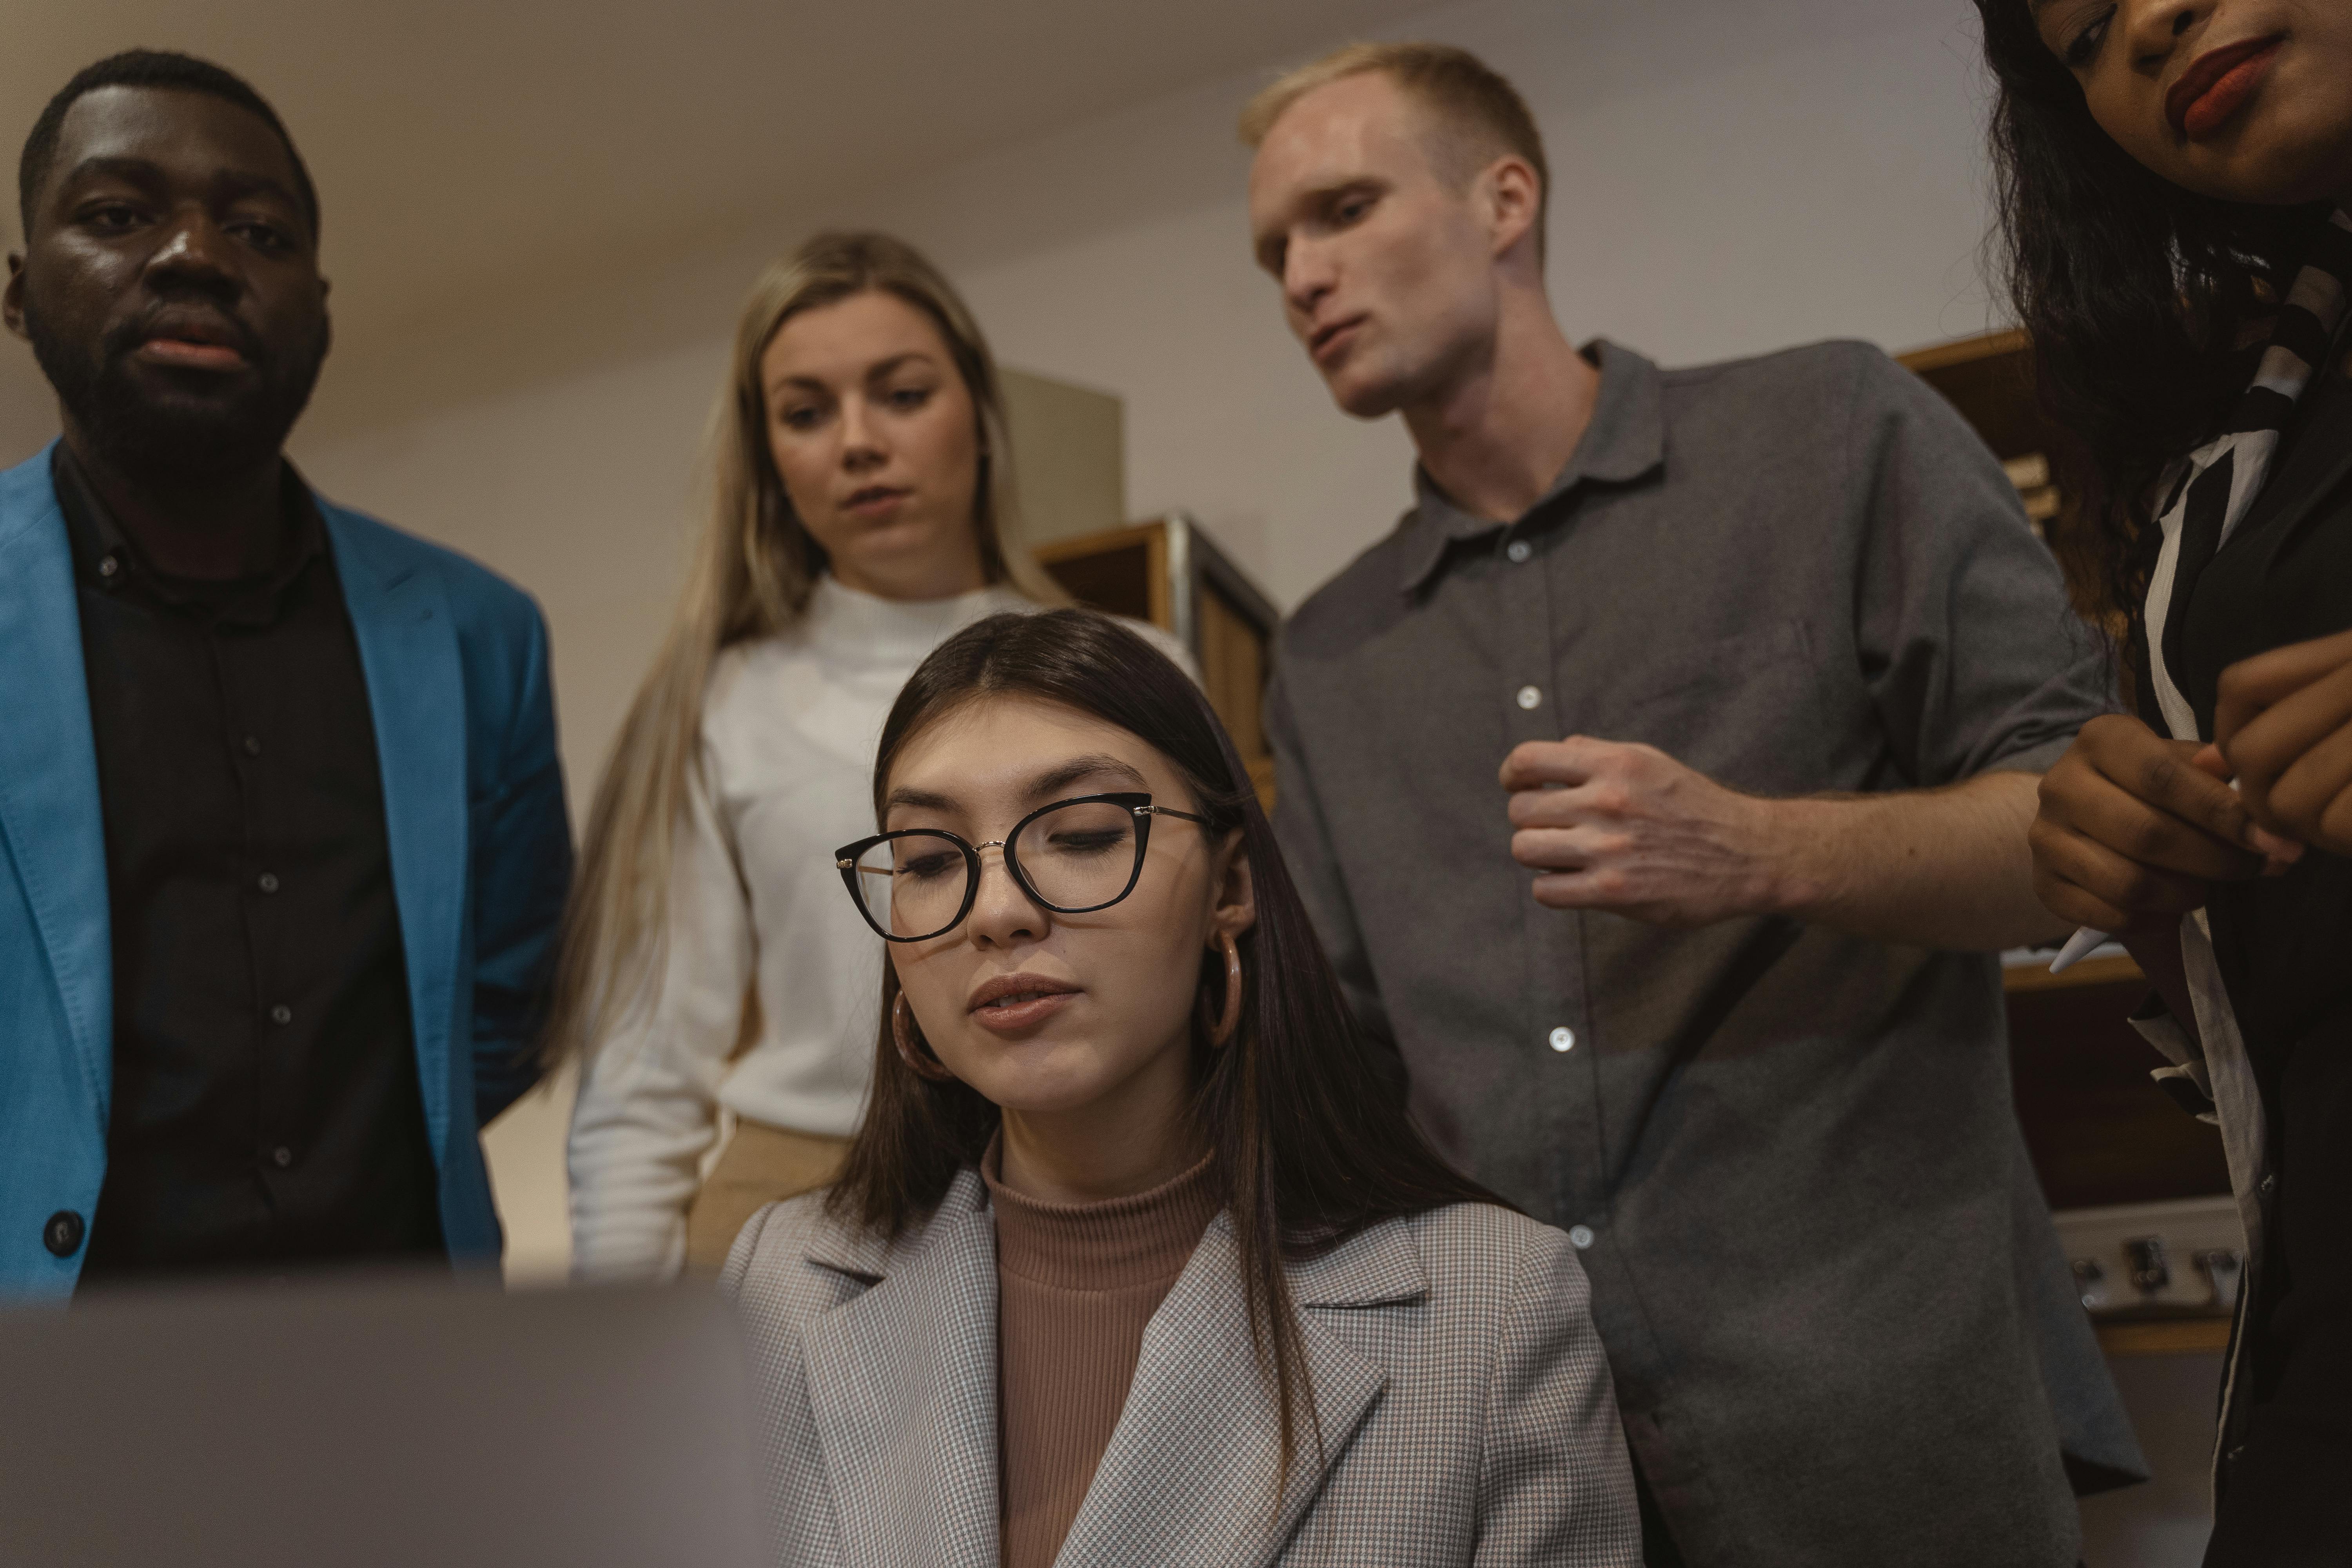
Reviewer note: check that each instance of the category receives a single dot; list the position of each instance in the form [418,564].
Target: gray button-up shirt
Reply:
[1841,1325]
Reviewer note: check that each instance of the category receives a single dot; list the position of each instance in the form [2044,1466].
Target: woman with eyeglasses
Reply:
[862,510]
[1132,1259]
[2177,176]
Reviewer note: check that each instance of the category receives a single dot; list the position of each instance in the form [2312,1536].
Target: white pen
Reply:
[2078,946]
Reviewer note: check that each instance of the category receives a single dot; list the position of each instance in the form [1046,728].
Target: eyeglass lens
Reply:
[1075,857]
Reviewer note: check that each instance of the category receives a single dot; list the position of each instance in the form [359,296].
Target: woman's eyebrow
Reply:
[918,800]
[1053,781]
[882,368]
[1055,778]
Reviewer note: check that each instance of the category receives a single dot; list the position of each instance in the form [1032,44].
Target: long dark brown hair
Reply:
[2145,303]
[1311,1142]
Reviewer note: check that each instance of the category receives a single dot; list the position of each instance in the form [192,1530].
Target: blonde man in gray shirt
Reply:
[1769,664]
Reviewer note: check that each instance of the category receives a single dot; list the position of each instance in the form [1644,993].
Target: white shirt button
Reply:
[1519,549]
[1563,1039]
[1580,1237]
[1530,697]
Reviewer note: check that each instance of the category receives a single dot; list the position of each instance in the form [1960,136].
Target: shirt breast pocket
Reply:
[1747,711]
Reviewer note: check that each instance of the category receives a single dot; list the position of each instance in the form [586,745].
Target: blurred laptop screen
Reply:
[376,1421]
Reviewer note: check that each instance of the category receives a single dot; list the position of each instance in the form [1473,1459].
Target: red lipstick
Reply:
[2217,85]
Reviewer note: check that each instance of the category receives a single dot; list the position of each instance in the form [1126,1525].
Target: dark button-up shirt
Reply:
[266,1106]
[1842,1329]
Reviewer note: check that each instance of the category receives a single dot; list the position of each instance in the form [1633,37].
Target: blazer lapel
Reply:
[902,1381]
[1189,1474]
[50,812]
[417,697]
[2301,507]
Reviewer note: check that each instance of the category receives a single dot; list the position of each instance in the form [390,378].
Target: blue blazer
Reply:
[455,663]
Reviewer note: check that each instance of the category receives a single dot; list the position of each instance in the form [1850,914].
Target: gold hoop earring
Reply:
[1230,1023]
[922,1063]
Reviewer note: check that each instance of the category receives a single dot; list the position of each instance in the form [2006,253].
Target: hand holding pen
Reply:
[2134,829]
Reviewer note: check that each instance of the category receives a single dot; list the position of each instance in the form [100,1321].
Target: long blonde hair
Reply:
[753,571]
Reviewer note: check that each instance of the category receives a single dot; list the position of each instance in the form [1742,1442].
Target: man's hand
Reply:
[2133,830]
[2283,724]
[1612,825]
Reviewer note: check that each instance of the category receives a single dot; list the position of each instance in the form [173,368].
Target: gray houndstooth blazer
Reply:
[1464,1399]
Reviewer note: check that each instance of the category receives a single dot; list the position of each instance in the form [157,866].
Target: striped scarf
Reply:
[2219,482]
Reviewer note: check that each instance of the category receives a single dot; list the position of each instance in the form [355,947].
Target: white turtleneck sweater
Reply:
[790,726]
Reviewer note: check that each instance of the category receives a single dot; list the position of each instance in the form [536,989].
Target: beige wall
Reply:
[1729,177]
[1072,482]
[1072,446]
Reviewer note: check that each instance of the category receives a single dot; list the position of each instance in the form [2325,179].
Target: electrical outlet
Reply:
[2155,1259]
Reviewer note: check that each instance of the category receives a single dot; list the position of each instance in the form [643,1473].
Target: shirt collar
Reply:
[108,557]
[1625,440]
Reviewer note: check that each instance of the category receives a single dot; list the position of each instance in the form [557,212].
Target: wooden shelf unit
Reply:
[2093,970]
[1990,379]
[1170,573]
[2164,1336]
[2099,1130]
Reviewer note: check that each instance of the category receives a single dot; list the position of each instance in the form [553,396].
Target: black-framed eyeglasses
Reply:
[1073,857]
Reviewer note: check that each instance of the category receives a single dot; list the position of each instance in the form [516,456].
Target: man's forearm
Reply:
[1939,867]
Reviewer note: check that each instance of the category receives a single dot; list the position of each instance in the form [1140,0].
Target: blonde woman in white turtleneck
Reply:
[861,503]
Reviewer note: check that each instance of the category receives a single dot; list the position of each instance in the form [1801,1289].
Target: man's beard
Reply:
[168,442]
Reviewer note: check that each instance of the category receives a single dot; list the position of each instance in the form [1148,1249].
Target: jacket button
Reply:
[62,1235]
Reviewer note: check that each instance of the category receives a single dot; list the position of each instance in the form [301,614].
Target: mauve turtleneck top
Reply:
[1077,1283]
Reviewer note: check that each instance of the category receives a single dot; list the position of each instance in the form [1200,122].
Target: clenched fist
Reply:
[1616,826]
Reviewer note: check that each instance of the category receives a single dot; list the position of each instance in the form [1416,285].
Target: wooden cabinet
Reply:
[1170,573]
[2100,1131]
[1990,379]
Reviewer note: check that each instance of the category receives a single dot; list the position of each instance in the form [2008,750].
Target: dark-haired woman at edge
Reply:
[1131,1262]
[2175,177]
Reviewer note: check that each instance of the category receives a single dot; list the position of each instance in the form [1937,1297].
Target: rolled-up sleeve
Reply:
[1974,659]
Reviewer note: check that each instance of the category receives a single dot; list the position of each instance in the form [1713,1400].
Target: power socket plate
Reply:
[2185,1229]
